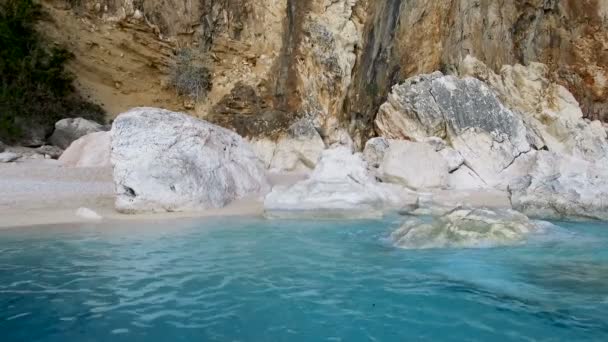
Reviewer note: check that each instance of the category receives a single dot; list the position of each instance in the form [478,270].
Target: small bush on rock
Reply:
[188,76]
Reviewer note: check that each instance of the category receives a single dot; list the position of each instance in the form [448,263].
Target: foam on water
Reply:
[244,279]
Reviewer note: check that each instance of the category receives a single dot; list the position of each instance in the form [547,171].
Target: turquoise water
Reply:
[256,280]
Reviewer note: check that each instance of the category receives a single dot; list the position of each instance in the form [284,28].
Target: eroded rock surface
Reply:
[166,161]
[465,228]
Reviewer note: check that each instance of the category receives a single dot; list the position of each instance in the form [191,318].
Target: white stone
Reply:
[414,165]
[88,214]
[166,161]
[7,157]
[561,187]
[374,151]
[91,150]
[340,186]
[465,228]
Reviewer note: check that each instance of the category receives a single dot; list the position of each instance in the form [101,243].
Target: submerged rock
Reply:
[339,186]
[465,228]
[69,130]
[166,161]
[91,150]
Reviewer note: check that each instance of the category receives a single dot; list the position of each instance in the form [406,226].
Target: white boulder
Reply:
[414,165]
[166,161]
[7,157]
[340,186]
[465,228]
[561,187]
[69,130]
[91,150]
[485,135]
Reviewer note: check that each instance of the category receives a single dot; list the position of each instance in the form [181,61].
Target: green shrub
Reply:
[188,76]
[35,89]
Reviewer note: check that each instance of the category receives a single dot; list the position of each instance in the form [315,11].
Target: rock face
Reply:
[561,187]
[465,228]
[91,150]
[298,150]
[332,61]
[166,161]
[69,130]
[402,39]
[340,186]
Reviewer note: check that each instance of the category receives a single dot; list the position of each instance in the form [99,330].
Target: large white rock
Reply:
[69,130]
[91,150]
[549,110]
[414,165]
[465,228]
[562,187]
[167,161]
[466,112]
[340,185]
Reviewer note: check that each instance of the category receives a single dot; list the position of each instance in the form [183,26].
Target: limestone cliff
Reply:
[274,62]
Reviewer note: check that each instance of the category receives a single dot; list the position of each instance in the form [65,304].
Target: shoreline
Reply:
[43,192]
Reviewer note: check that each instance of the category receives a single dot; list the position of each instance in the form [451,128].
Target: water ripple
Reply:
[256,280]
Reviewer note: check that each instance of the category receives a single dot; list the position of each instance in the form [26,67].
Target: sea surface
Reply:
[250,279]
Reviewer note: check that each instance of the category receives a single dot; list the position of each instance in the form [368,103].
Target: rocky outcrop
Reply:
[166,161]
[465,228]
[69,130]
[560,187]
[487,135]
[494,145]
[340,186]
[551,113]
[91,150]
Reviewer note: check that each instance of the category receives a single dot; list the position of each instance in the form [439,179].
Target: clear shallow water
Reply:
[255,280]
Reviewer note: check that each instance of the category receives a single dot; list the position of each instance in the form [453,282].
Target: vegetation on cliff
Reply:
[35,88]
